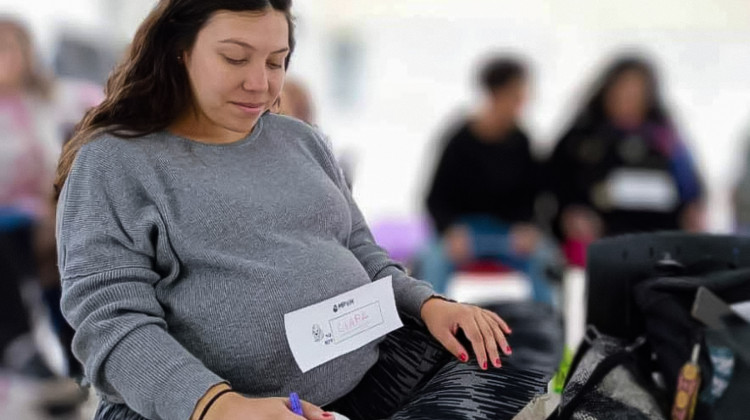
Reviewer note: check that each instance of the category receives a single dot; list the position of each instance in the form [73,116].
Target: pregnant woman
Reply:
[191,221]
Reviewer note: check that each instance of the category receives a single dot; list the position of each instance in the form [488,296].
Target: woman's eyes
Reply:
[242,61]
[235,62]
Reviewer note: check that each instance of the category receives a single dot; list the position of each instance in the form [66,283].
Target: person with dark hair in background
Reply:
[622,167]
[482,195]
[192,221]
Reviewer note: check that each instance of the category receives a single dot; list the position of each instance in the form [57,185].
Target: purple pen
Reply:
[296,405]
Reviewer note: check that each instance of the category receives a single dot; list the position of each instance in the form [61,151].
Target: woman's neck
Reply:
[196,126]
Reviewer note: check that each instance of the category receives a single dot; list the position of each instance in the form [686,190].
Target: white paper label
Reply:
[339,325]
[638,189]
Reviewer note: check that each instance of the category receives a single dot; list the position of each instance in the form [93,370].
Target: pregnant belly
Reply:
[236,322]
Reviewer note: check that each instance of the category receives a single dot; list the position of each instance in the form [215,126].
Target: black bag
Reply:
[645,285]
[666,303]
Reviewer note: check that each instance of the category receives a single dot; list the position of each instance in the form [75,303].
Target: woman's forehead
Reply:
[268,28]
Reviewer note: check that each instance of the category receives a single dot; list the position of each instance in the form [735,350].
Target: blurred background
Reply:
[387,78]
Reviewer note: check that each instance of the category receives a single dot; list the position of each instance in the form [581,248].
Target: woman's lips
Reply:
[249,107]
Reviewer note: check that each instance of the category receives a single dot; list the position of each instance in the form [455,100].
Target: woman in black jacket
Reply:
[622,166]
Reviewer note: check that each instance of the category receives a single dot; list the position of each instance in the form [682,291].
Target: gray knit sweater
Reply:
[179,260]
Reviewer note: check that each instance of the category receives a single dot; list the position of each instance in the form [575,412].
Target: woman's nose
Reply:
[256,78]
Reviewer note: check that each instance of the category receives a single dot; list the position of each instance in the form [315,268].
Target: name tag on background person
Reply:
[339,325]
[642,189]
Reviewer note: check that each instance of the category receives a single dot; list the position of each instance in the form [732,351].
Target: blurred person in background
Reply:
[622,166]
[36,114]
[296,101]
[29,147]
[482,195]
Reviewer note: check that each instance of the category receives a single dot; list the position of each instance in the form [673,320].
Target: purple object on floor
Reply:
[402,238]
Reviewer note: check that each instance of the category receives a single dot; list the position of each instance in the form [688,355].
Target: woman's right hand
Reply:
[234,406]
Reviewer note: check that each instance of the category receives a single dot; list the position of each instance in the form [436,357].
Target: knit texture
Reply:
[179,260]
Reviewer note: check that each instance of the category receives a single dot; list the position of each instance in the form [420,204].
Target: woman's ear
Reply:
[183,56]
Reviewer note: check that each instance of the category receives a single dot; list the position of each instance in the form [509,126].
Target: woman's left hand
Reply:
[485,330]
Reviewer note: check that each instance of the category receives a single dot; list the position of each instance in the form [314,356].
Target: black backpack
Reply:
[641,292]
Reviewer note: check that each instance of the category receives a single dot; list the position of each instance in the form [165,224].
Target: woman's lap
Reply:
[461,391]
[416,378]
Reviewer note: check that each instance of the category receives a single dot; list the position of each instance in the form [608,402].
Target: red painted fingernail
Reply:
[463,357]
[508,350]
[498,363]
[327,415]
[484,365]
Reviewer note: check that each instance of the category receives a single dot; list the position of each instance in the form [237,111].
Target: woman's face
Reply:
[236,70]
[12,61]
[627,100]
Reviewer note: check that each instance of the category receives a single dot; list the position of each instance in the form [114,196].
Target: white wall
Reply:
[417,58]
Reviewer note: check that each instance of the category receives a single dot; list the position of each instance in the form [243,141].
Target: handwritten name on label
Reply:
[356,321]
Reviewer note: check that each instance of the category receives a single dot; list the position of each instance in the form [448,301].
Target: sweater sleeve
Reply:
[410,293]
[113,251]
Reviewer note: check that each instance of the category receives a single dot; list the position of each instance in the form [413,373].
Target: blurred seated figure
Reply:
[28,152]
[622,167]
[36,114]
[481,200]
[296,101]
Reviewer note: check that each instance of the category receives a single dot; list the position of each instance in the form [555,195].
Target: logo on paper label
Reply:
[317,333]
[342,305]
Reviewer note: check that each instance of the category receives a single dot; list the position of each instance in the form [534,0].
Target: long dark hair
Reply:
[150,88]
[593,112]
